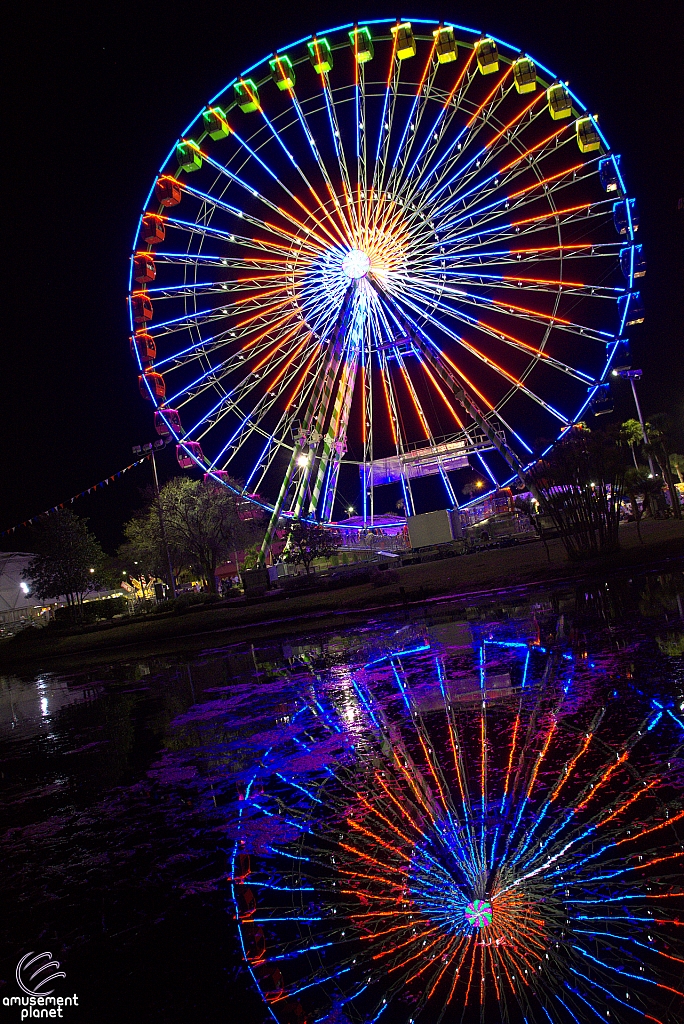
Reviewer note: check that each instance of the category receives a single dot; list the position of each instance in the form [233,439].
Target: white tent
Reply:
[16,601]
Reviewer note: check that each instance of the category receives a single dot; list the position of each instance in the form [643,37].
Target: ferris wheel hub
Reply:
[356,264]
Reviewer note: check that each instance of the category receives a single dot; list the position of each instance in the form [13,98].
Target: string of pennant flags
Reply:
[101,483]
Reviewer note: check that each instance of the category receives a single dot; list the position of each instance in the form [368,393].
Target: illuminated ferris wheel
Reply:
[384,253]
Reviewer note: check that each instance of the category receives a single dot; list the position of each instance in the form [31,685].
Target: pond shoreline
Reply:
[462,580]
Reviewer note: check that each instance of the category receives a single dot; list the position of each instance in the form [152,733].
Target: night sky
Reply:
[96,94]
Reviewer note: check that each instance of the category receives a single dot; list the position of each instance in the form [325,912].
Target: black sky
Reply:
[95,95]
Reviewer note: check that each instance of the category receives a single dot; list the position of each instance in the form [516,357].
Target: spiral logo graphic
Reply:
[39,964]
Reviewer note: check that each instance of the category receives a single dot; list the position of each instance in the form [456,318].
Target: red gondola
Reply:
[187,453]
[142,307]
[167,420]
[167,190]
[144,269]
[151,382]
[146,348]
[153,229]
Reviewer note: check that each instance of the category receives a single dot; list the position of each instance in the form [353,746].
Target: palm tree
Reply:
[677,465]
[632,434]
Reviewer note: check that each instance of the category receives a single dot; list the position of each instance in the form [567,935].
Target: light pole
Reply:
[632,376]
[150,449]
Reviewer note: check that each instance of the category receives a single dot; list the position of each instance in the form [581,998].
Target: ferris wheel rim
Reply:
[534,360]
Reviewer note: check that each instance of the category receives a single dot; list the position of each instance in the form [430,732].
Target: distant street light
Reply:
[149,449]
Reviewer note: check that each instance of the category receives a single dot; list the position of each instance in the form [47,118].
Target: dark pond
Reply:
[462,813]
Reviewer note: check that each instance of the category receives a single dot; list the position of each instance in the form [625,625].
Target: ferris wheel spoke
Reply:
[247,241]
[544,188]
[233,403]
[249,425]
[335,232]
[284,430]
[413,119]
[211,377]
[456,150]
[385,125]
[456,171]
[517,343]
[519,165]
[447,114]
[497,180]
[486,360]
[506,307]
[314,242]
[350,219]
[525,226]
[336,238]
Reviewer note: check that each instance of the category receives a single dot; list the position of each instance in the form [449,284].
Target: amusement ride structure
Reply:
[385,252]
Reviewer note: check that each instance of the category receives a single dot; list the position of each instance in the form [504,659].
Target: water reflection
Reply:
[465,812]
[494,829]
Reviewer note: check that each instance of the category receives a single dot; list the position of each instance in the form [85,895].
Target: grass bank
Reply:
[465,578]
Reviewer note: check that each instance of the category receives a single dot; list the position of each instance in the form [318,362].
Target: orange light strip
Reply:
[522,113]
[489,96]
[414,400]
[301,380]
[655,828]
[287,365]
[459,79]
[410,959]
[389,405]
[441,394]
[468,382]
[279,343]
[259,295]
[543,280]
[514,742]
[533,149]
[551,213]
[382,817]
[376,839]
[628,803]
[542,754]
[262,312]
[408,942]
[602,781]
[394,51]
[569,769]
[280,322]
[532,312]
[545,181]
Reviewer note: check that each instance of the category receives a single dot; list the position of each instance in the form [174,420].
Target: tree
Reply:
[69,562]
[207,522]
[658,431]
[581,485]
[308,541]
[677,465]
[633,435]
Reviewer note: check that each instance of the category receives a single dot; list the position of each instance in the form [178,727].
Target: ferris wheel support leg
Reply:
[277,509]
[335,442]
